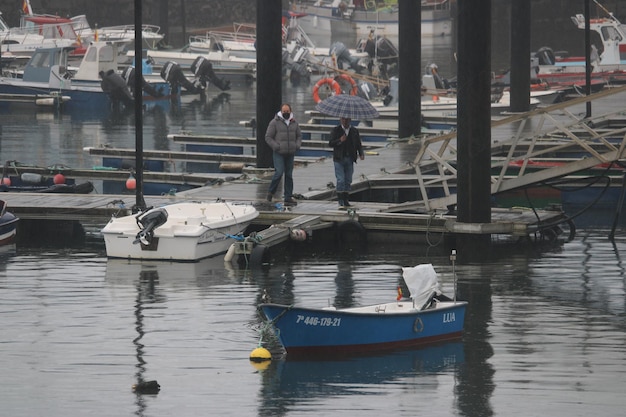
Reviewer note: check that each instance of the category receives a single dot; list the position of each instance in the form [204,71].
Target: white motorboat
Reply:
[222,62]
[240,42]
[187,231]
[607,60]
[319,17]
[24,41]
[151,35]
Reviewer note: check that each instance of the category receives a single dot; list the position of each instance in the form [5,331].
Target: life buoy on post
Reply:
[332,84]
[346,79]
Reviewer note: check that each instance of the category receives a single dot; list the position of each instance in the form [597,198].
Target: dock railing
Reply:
[527,148]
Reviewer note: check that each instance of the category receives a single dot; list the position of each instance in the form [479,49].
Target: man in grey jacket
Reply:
[283,135]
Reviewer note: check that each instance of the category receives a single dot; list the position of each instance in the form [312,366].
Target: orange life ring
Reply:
[346,78]
[332,84]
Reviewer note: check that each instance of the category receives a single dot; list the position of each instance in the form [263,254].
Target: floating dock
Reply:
[389,185]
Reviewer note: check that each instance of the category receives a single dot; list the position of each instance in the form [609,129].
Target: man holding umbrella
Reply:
[345,138]
[346,143]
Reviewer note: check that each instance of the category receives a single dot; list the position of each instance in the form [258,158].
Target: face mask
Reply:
[286,116]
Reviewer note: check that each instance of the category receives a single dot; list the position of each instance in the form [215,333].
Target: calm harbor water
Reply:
[545,329]
[545,334]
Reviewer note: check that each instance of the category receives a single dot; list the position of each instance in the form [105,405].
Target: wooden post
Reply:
[269,74]
[409,48]
[474,120]
[520,55]
[139,200]
[587,57]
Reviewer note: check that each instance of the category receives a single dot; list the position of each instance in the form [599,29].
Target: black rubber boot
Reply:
[346,203]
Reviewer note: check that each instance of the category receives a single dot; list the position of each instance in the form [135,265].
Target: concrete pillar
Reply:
[474,118]
[268,72]
[520,55]
[409,71]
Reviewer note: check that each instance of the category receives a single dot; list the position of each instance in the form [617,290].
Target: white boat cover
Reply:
[422,283]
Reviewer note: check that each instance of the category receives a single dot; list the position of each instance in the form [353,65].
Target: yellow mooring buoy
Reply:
[260,354]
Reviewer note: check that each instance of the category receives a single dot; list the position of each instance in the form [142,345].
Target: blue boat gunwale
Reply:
[360,311]
[369,344]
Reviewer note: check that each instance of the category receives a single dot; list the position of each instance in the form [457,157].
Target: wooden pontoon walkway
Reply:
[414,165]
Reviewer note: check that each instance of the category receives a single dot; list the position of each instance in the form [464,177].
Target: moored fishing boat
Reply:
[19,177]
[608,61]
[428,317]
[95,86]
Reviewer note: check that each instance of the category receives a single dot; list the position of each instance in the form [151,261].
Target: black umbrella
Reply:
[348,106]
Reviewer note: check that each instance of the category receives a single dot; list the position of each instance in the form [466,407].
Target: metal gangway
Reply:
[527,148]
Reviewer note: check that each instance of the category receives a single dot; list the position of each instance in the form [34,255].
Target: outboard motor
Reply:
[342,54]
[114,85]
[384,51]
[299,71]
[367,90]
[173,74]
[202,69]
[128,74]
[148,223]
[391,94]
[546,56]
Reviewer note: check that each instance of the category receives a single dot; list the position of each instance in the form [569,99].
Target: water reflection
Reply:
[188,275]
[345,286]
[289,384]
[476,384]
[146,295]
[6,253]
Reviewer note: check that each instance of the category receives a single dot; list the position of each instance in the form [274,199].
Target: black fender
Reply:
[351,233]
[259,256]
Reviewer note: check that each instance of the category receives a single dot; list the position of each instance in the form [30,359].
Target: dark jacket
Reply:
[285,140]
[352,147]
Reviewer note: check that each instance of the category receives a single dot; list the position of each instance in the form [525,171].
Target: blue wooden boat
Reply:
[8,225]
[96,85]
[426,317]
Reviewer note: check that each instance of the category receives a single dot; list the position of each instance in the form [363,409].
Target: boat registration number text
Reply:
[318,321]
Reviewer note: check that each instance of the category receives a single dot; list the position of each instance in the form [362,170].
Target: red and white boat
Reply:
[608,63]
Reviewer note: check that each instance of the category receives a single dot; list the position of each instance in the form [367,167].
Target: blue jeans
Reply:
[344,169]
[283,164]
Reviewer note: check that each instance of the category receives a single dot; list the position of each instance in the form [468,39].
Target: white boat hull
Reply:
[193,231]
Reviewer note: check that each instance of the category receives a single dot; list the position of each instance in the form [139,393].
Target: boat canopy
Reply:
[422,283]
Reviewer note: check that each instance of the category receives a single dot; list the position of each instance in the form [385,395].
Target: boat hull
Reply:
[305,331]
[193,231]
[320,20]
[88,99]
[8,228]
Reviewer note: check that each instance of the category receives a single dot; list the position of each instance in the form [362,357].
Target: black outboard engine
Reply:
[343,56]
[114,85]
[148,223]
[384,51]
[202,69]
[173,74]
[367,90]
[128,74]
[546,56]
